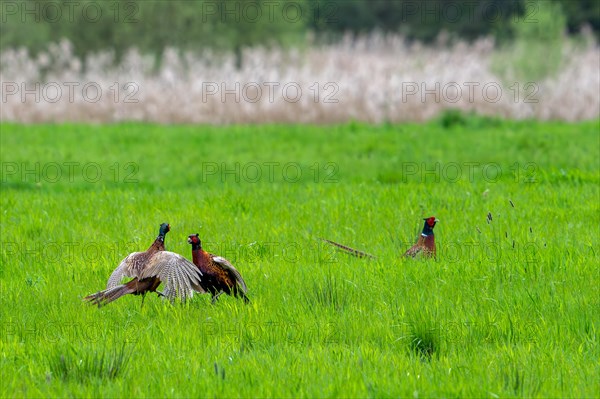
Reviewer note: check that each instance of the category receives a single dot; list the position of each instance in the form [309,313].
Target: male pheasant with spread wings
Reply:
[149,269]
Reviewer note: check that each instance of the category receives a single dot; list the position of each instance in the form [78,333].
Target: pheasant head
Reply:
[159,243]
[194,239]
[164,229]
[429,225]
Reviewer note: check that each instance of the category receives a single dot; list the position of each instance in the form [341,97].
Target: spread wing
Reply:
[180,276]
[127,268]
[227,266]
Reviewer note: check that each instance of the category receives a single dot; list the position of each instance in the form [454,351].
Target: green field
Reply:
[509,308]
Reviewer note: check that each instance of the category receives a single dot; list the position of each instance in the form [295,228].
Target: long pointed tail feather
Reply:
[351,251]
[107,296]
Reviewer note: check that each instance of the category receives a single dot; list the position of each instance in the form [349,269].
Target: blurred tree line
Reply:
[466,19]
[150,26]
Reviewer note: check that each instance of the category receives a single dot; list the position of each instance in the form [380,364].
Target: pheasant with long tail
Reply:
[149,269]
[425,245]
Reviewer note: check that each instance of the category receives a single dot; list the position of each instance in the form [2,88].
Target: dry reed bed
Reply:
[373,79]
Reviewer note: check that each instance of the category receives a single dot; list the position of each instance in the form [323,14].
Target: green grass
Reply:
[509,308]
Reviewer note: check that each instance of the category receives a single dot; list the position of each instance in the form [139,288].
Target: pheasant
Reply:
[218,274]
[149,269]
[425,244]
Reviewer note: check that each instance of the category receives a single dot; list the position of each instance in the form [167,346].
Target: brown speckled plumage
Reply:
[425,245]
[218,274]
[149,269]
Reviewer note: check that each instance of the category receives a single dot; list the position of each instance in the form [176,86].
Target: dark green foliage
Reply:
[417,20]
[423,340]
[424,21]
[71,364]
[151,26]
[581,13]
[453,117]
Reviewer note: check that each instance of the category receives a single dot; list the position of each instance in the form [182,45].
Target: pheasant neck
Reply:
[200,258]
[427,230]
[158,244]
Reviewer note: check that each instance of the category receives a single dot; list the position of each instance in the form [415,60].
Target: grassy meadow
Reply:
[510,307]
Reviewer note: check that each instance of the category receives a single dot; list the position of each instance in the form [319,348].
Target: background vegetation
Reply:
[354,60]
[225,25]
